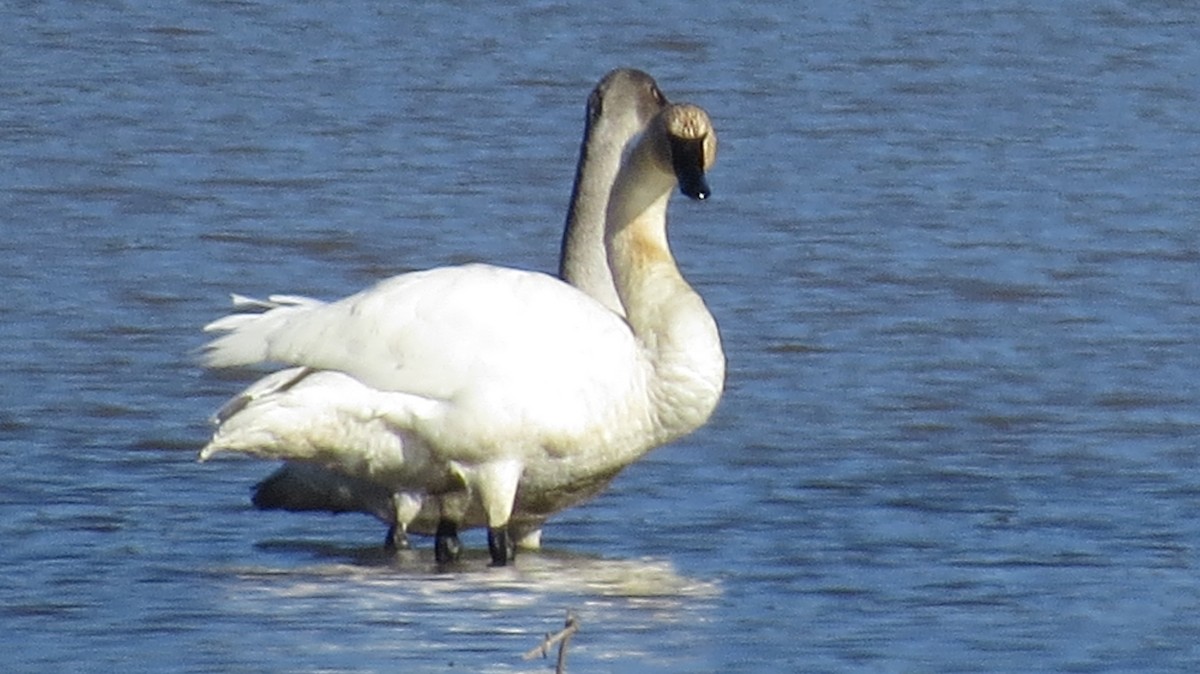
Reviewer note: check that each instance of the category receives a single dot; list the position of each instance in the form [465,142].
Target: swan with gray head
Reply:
[618,108]
[481,377]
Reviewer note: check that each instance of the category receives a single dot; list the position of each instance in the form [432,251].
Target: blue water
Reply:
[953,250]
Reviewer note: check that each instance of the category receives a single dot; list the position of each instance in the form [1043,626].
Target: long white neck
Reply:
[666,315]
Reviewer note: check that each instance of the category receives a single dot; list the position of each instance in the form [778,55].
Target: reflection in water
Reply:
[501,612]
[541,572]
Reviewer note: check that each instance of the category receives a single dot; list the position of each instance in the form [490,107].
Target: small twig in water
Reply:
[561,638]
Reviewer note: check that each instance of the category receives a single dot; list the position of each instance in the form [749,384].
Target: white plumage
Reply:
[618,108]
[459,354]
[491,377]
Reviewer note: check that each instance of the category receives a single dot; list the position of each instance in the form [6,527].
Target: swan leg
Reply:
[496,484]
[452,508]
[500,545]
[396,539]
[405,506]
[446,547]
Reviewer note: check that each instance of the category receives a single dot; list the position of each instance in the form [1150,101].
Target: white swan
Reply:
[484,376]
[618,108]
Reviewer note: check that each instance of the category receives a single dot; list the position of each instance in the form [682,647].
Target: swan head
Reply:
[628,96]
[619,108]
[692,143]
[675,150]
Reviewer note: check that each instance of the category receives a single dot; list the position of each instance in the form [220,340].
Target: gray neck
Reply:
[584,262]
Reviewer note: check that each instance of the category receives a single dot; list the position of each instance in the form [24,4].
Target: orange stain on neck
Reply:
[647,249]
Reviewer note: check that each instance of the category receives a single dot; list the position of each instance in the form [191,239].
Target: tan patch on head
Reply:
[688,122]
[691,122]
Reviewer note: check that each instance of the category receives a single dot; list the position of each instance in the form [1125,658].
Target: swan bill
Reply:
[687,159]
[693,147]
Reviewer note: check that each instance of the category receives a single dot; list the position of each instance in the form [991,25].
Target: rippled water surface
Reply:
[953,249]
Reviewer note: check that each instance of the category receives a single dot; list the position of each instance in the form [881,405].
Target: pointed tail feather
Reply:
[248,333]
